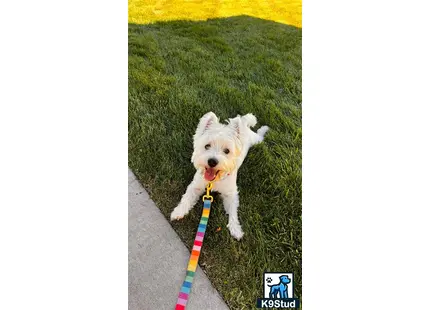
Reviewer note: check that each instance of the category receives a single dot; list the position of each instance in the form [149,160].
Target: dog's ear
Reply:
[236,124]
[205,122]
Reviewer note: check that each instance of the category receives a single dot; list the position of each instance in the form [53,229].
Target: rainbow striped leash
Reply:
[195,253]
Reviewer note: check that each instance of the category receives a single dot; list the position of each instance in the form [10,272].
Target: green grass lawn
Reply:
[180,70]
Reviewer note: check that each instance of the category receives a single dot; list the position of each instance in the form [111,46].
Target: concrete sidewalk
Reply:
[157,260]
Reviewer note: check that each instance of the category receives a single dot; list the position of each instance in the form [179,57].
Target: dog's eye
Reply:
[207,146]
[226,151]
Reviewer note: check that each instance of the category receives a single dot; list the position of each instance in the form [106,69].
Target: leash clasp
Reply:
[208,195]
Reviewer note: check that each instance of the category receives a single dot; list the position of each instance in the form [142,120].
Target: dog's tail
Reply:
[249,120]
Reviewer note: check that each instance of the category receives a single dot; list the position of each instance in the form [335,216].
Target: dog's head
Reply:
[284,279]
[217,146]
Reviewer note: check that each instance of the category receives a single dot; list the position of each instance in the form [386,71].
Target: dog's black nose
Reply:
[212,162]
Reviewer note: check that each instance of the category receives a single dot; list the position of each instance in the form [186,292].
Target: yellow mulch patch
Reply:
[148,11]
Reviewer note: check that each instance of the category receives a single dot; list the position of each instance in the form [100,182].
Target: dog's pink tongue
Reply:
[209,174]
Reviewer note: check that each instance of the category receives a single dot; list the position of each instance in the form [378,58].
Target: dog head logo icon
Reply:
[278,285]
[278,291]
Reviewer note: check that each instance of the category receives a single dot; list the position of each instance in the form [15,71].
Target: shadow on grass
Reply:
[180,70]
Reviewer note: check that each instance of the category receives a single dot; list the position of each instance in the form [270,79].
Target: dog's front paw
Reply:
[178,213]
[235,230]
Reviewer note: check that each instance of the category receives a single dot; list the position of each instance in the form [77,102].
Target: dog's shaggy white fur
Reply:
[219,151]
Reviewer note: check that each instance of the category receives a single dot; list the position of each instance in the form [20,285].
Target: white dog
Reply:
[219,151]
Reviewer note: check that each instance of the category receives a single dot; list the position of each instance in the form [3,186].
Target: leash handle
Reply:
[195,252]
